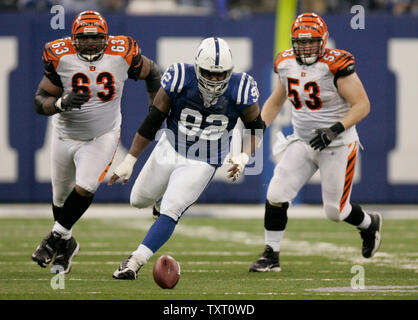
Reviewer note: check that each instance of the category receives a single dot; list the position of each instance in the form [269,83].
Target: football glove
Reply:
[238,165]
[124,169]
[324,136]
[71,101]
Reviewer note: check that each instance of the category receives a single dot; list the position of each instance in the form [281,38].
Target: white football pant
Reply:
[180,181]
[84,163]
[299,163]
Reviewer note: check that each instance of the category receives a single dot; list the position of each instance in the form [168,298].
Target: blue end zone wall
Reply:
[378,132]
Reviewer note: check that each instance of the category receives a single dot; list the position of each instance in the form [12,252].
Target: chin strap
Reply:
[90,57]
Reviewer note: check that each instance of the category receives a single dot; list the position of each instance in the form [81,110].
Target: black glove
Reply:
[324,136]
[70,101]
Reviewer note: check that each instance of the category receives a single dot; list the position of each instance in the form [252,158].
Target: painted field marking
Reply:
[289,247]
[384,289]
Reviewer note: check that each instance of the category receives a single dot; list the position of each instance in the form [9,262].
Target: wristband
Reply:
[57,105]
[337,128]
[130,159]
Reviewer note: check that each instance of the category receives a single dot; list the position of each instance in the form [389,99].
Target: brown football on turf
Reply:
[166,272]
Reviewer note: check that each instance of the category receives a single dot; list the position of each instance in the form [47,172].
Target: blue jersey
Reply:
[199,132]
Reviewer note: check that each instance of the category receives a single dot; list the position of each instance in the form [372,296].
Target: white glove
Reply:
[124,169]
[241,160]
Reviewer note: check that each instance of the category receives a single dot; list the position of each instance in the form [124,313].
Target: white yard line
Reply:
[288,246]
[385,289]
[230,211]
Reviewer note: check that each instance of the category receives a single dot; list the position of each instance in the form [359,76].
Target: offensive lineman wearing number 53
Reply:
[82,89]
[328,101]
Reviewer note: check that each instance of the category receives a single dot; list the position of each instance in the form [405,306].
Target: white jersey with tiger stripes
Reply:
[104,81]
[314,95]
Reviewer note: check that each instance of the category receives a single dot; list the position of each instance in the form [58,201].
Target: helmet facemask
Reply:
[212,84]
[213,67]
[90,47]
[307,50]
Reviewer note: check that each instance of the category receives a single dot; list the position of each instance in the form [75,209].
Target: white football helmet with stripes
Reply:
[213,56]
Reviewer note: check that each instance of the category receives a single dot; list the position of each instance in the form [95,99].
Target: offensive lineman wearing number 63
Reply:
[82,89]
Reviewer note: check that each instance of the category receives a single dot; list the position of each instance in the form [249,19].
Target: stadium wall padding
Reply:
[386,53]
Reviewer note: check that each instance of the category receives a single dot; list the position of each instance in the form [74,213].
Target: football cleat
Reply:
[128,269]
[371,236]
[67,250]
[269,262]
[46,250]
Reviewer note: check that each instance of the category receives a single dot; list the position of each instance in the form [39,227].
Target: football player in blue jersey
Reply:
[201,104]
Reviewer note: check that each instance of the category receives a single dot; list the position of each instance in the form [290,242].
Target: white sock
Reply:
[143,254]
[366,222]
[65,233]
[273,238]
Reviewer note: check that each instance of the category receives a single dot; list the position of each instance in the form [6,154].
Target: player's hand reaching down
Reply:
[123,170]
[324,136]
[71,101]
[238,165]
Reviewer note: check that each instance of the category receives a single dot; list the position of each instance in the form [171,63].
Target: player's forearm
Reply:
[49,106]
[139,144]
[44,103]
[270,110]
[357,113]
[273,104]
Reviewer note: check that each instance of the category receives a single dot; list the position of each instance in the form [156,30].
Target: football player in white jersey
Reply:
[82,89]
[328,101]
[201,104]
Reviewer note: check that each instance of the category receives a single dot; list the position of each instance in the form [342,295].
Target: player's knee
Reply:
[275,204]
[333,212]
[173,208]
[279,193]
[174,216]
[83,192]
[140,202]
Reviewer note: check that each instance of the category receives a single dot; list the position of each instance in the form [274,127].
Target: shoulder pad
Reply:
[174,77]
[284,55]
[124,46]
[338,60]
[55,50]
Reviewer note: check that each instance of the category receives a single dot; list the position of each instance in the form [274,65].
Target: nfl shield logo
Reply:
[92,68]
